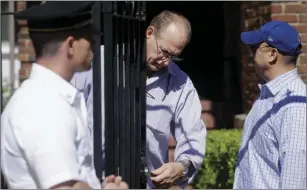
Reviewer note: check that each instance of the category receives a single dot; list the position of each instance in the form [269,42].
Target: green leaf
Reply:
[217,171]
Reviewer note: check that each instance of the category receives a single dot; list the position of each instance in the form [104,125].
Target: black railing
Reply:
[3,184]
[122,80]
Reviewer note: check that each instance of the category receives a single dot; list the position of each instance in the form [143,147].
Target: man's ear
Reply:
[149,32]
[273,56]
[70,42]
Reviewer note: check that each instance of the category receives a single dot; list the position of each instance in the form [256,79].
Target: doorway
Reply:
[211,59]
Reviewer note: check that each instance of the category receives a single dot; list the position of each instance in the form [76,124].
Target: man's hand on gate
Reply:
[114,182]
[167,174]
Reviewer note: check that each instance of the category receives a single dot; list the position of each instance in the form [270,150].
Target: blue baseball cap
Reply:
[277,34]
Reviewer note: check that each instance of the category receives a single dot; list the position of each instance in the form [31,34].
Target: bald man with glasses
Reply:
[173,105]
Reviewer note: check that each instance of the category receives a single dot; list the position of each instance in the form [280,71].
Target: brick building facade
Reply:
[253,14]
[258,13]
[26,52]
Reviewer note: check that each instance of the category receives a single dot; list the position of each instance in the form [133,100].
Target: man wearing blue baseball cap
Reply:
[273,148]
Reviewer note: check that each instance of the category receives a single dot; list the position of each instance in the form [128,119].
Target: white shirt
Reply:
[45,138]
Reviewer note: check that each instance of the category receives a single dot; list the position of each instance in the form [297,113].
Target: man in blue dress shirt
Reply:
[173,105]
[273,148]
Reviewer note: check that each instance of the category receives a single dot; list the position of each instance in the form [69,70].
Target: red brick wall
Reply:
[295,14]
[255,14]
[26,52]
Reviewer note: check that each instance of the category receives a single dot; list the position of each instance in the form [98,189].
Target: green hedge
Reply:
[218,167]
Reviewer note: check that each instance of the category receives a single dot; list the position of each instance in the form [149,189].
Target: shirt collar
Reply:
[167,70]
[280,82]
[54,81]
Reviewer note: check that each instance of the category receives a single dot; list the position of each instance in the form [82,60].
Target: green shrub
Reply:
[217,171]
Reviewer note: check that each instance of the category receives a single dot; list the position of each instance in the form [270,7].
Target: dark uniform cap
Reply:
[54,16]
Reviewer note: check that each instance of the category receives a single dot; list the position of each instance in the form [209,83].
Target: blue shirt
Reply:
[273,148]
[173,107]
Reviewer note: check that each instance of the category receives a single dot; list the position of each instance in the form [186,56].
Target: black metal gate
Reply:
[123,83]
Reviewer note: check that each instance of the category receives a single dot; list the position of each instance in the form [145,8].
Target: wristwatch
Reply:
[186,164]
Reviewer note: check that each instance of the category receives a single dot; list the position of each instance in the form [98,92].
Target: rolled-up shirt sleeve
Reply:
[47,139]
[190,131]
[293,148]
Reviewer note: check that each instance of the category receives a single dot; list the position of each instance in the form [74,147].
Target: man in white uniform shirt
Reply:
[45,139]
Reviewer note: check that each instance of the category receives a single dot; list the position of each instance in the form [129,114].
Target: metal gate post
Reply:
[97,94]
[2,183]
[123,27]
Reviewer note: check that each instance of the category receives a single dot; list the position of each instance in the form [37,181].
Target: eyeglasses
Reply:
[257,47]
[168,55]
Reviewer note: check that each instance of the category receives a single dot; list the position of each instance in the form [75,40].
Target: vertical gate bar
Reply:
[121,107]
[3,184]
[131,95]
[97,91]
[142,95]
[1,93]
[132,102]
[143,98]
[137,102]
[133,141]
[127,105]
[135,94]
[116,94]
[143,106]
[128,147]
[109,72]
[133,116]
